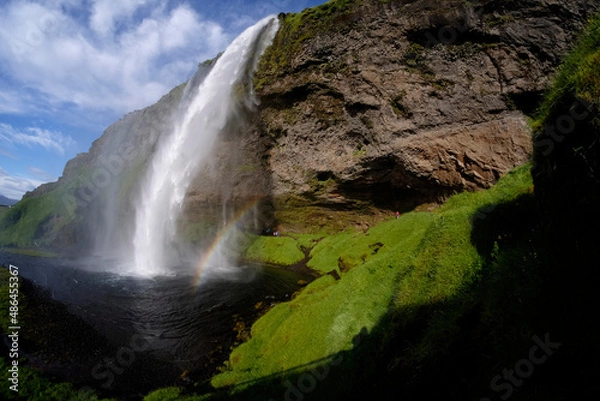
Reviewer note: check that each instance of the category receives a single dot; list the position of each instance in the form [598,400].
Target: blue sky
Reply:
[70,68]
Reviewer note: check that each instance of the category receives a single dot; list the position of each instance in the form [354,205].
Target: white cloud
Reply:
[11,102]
[125,56]
[14,186]
[106,13]
[33,136]
[41,174]
[7,154]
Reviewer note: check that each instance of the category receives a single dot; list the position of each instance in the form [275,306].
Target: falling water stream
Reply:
[183,152]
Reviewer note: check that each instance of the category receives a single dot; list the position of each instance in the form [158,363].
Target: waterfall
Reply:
[184,150]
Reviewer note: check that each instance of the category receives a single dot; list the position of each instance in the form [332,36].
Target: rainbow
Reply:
[221,236]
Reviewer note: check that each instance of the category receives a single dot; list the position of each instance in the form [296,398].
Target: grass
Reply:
[33,386]
[307,241]
[423,258]
[32,252]
[21,224]
[38,221]
[280,251]
[567,153]
[173,394]
[578,74]
[429,289]
[344,251]
[320,221]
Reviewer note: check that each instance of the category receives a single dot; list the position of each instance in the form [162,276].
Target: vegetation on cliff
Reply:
[34,221]
[567,156]
[59,215]
[297,28]
[578,75]
[412,101]
[407,120]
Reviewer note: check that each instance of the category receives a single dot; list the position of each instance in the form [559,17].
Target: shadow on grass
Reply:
[344,375]
[468,345]
[503,223]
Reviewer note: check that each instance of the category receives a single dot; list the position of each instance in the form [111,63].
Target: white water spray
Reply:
[180,155]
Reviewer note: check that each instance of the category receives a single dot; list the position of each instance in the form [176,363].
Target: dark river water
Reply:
[170,319]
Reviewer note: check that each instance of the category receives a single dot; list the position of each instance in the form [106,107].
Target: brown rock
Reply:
[379,113]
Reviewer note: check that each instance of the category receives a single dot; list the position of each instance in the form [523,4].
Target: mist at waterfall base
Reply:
[141,276]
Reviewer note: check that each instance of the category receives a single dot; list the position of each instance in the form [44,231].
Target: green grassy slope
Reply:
[579,74]
[282,251]
[398,301]
[567,155]
[40,221]
[420,259]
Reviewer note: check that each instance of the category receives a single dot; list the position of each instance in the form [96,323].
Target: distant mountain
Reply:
[4,201]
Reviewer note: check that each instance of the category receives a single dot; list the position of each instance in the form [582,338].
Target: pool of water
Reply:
[171,319]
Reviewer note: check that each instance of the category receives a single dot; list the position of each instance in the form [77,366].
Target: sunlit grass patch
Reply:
[282,251]
[307,241]
[578,74]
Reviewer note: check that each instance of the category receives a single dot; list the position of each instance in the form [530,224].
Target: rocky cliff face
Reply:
[402,102]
